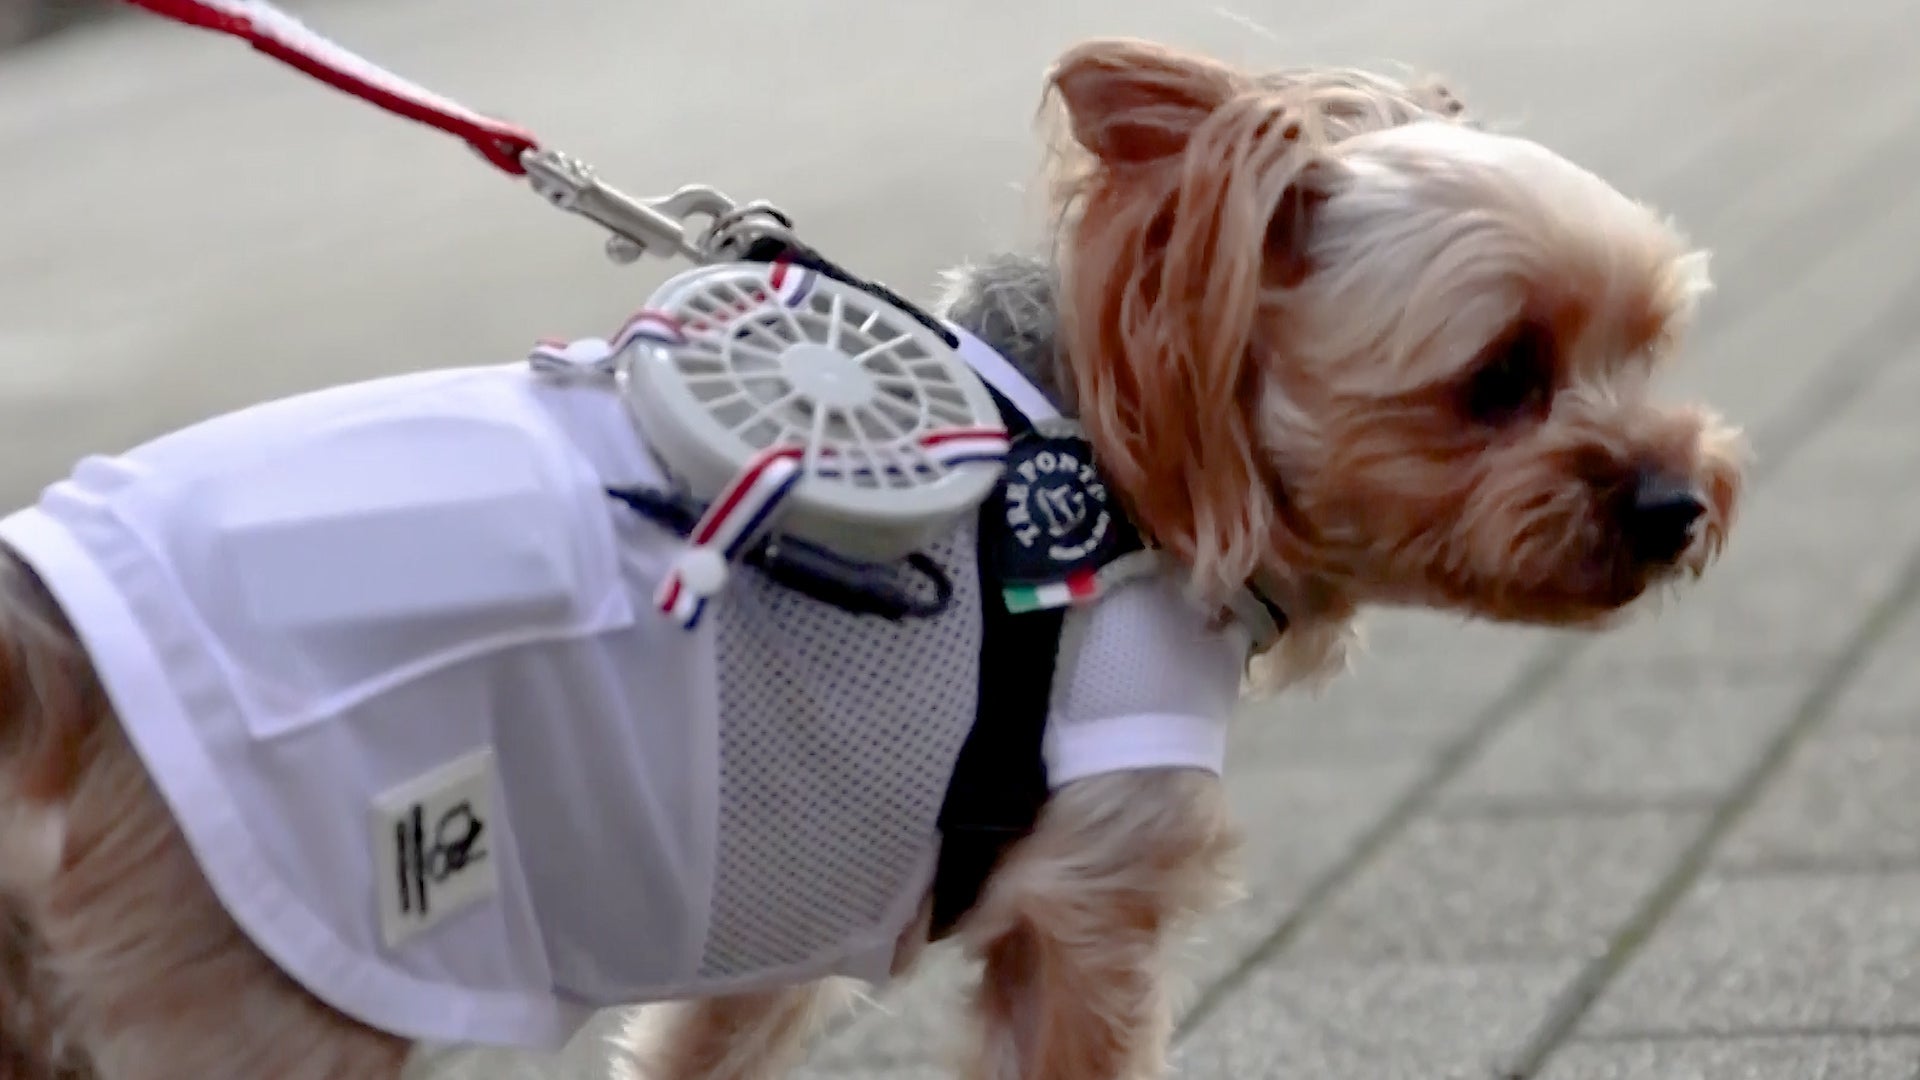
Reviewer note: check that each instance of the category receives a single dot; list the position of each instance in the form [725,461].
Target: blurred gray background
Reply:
[1690,849]
[23,21]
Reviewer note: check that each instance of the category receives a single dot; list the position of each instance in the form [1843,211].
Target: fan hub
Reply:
[826,375]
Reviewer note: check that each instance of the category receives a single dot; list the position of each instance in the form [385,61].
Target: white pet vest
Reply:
[386,651]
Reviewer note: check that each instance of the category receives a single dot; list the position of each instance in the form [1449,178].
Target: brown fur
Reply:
[1275,293]
[132,967]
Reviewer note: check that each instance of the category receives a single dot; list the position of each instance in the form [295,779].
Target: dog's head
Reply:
[1328,336]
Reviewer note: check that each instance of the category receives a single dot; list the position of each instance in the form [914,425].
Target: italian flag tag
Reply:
[1076,589]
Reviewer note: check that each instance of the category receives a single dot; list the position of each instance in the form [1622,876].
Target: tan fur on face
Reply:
[1275,288]
[1441,241]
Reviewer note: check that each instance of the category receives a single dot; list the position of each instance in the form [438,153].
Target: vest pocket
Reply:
[382,549]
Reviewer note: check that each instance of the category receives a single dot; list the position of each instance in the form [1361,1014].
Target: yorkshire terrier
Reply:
[1327,338]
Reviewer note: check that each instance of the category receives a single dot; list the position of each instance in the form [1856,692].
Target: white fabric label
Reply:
[431,846]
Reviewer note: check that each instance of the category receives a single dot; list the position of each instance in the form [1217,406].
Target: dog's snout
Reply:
[1659,520]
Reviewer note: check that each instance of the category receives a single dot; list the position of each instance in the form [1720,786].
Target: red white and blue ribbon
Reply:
[649,325]
[722,534]
[285,38]
[792,284]
[748,504]
[788,284]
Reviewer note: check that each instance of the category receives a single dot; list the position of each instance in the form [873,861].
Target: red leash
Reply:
[281,36]
[659,226]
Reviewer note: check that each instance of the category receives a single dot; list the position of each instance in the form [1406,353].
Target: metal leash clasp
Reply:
[666,226]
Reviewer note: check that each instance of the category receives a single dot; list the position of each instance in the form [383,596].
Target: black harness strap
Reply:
[768,250]
[1000,779]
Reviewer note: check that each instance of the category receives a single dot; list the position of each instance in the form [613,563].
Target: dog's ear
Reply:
[1131,102]
[1288,230]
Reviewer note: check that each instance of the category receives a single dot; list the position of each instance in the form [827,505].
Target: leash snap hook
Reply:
[640,227]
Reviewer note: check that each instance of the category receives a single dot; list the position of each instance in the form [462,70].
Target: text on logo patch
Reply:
[1056,495]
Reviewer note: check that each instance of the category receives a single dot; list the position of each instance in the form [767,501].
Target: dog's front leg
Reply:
[1074,927]
[745,1037]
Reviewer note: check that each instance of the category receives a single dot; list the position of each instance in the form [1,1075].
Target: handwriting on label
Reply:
[436,847]
[428,857]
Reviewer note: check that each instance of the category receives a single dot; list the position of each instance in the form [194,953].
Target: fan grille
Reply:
[737,358]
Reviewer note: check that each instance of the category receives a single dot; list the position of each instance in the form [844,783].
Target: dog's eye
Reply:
[1515,378]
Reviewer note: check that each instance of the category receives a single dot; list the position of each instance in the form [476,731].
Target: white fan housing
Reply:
[730,360]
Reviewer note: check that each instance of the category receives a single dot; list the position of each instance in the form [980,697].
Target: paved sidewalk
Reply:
[1686,851]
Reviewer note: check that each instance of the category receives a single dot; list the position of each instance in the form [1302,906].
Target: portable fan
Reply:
[764,383]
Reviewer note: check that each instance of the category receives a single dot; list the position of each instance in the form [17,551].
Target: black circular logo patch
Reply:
[1058,511]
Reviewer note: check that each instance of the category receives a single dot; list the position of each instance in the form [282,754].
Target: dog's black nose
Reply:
[1659,522]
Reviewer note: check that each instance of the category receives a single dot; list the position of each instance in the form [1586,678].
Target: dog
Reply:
[1328,339]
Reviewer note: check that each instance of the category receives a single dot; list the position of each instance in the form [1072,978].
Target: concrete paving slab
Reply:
[1544,885]
[1389,1022]
[1299,820]
[1845,802]
[1789,1058]
[1885,698]
[1421,680]
[1667,736]
[1778,952]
